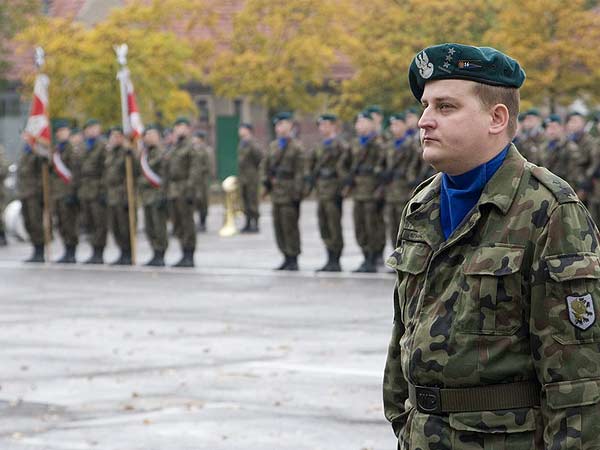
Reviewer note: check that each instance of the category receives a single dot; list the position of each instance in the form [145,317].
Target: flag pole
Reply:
[122,76]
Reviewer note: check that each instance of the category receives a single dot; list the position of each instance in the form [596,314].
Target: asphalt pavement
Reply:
[228,355]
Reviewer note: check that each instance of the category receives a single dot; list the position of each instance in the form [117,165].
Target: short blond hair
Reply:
[489,96]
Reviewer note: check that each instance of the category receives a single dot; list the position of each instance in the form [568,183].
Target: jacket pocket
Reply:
[491,292]
[572,291]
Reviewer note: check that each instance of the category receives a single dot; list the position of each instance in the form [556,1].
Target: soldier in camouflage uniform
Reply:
[531,138]
[64,180]
[555,156]
[3,174]
[203,192]
[153,196]
[29,192]
[398,172]
[115,184]
[182,170]
[494,343]
[92,192]
[283,178]
[249,159]
[364,182]
[328,167]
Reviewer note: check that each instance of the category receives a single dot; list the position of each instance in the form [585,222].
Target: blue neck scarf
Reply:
[553,144]
[460,193]
[282,142]
[327,142]
[574,137]
[411,132]
[27,148]
[364,140]
[399,141]
[89,143]
[61,146]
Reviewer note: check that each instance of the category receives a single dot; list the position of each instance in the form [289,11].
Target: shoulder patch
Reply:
[562,191]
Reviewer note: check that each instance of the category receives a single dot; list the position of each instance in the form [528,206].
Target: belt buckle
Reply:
[429,400]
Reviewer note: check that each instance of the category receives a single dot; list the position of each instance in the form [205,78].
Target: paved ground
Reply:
[230,355]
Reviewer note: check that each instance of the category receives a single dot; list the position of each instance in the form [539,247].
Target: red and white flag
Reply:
[132,121]
[38,124]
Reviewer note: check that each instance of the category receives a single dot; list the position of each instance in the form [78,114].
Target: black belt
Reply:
[432,400]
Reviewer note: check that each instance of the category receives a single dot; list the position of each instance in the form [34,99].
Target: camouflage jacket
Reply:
[531,145]
[365,170]
[92,171]
[328,166]
[29,175]
[512,295]
[583,161]
[283,172]
[401,168]
[249,157]
[555,158]
[182,171]
[149,194]
[205,170]
[59,187]
[115,178]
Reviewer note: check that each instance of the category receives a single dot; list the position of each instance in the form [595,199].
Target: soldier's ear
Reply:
[499,117]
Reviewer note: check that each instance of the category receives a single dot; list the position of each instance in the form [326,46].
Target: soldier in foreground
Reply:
[92,192]
[181,174]
[328,167]
[249,159]
[283,179]
[495,337]
[153,196]
[64,179]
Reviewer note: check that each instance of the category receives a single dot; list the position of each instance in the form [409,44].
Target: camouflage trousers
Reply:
[182,215]
[287,232]
[32,210]
[203,201]
[155,220]
[93,214]
[394,214]
[367,225]
[329,213]
[67,217]
[249,196]
[119,225]
[380,237]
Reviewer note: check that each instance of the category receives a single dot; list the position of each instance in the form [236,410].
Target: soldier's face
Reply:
[244,133]
[151,137]
[530,121]
[575,124]
[76,138]
[554,130]
[326,128]
[115,138]
[454,127]
[62,134]
[283,128]
[412,120]
[398,127]
[93,131]
[364,126]
[181,130]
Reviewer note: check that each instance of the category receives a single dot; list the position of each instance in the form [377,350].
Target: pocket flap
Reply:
[567,394]
[573,266]
[506,421]
[499,260]
[411,257]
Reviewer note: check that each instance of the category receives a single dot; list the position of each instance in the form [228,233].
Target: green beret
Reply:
[412,110]
[200,134]
[398,116]
[282,116]
[247,125]
[552,118]
[181,120]
[575,113]
[327,117]
[91,122]
[520,117]
[61,123]
[364,115]
[374,109]
[151,126]
[116,128]
[532,112]
[463,62]
[75,130]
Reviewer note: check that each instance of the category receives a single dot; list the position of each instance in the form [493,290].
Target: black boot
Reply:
[69,256]
[97,257]
[334,262]
[124,259]
[3,241]
[38,255]
[284,264]
[187,260]
[248,226]
[158,260]
[368,265]
[378,259]
[328,265]
[292,264]
[254,225]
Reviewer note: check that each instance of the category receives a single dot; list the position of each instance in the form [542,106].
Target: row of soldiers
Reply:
[87,185]
[569,147]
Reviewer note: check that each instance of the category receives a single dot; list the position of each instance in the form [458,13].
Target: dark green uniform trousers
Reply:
[67,216]
[32,210]
[182,215]
[366,225]
[394,213]
[329,213]
[94,213]
[119,225]
[380,234]
[287,233]
[155,219]
[249,195]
